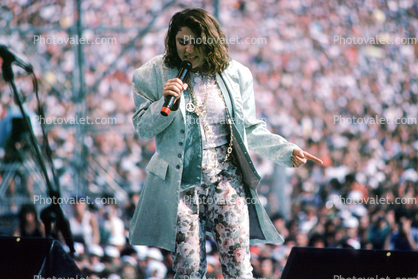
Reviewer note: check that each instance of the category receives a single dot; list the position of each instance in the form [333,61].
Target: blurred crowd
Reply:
[309,88]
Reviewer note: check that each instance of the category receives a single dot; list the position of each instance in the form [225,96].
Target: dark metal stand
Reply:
[53,213]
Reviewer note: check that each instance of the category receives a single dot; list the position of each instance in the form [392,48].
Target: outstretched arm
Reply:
[261,140]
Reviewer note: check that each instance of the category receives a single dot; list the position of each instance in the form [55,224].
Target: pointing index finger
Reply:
[313,158]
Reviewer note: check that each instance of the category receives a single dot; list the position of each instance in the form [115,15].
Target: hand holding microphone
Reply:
[174,87]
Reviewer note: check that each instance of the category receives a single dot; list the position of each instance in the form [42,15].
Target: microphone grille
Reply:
[186,65]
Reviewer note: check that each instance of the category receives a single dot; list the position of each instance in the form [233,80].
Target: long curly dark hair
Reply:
[206,28]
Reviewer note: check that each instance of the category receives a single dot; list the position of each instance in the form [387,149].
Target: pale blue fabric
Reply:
[154,220]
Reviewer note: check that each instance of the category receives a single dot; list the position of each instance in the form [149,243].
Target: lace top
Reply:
[207,92]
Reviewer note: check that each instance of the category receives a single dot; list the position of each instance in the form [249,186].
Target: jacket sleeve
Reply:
[259,138]
[147,87]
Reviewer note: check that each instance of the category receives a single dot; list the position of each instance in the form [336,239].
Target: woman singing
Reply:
[201,175]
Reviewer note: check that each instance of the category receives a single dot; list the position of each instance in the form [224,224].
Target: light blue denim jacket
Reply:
[178,154]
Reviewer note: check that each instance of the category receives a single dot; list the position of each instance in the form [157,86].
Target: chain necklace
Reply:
[200,107]
[201,110]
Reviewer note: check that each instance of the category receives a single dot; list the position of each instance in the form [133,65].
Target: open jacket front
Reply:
[177,154]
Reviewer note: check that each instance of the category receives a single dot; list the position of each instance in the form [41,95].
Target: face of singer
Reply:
[186,50]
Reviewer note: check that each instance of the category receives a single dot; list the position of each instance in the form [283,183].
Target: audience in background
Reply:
[312,86]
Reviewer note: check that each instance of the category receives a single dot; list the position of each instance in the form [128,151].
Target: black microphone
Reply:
[8,59]
[185,67]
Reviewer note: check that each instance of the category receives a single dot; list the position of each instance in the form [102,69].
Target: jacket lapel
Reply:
[226,94]
[233,96]
[183,107]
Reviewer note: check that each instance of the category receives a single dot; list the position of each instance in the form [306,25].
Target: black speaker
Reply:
[332,263]
[33,257]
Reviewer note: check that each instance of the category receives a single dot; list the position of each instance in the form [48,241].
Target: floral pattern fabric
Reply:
[220,201]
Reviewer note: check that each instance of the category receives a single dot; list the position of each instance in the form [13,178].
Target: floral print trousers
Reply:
[220,201]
